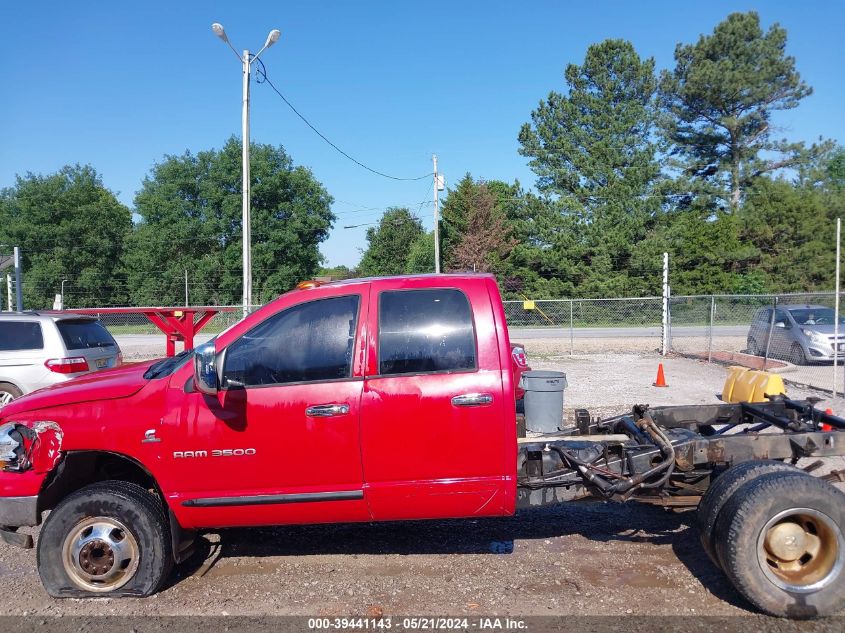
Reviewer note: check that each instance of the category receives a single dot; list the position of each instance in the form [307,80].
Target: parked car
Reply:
[801,334]
[39,349]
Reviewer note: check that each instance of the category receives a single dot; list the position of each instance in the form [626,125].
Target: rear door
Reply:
[432,421]
[22,353]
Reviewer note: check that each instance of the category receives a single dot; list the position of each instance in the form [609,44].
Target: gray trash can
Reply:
[543,400]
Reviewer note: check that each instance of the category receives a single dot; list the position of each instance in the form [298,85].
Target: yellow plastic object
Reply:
[528,305]
[748,385]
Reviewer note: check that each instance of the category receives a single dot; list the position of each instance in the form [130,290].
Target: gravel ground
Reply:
[586,558]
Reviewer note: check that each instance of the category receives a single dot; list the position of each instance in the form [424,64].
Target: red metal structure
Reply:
[178,324]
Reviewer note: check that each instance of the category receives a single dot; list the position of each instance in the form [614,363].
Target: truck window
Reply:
[18,336]
[422,331]
[307,342]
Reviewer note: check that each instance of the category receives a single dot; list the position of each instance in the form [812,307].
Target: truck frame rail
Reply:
[668,455]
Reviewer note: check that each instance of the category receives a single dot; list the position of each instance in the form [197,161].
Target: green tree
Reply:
[68,226]
[338,272]
[389,244]
[421,255]
[706,252]
[720,98]
[835,168]
[790,231]
[594,154]
[191,220]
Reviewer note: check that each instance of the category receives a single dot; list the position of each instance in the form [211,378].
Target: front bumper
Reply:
[18,511]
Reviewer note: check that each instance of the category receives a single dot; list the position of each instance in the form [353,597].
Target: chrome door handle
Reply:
[327,410]
[472,400]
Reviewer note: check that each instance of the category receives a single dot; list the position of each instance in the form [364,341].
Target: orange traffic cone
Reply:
[661,379]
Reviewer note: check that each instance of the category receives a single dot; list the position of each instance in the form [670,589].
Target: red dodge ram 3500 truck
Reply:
[387,399]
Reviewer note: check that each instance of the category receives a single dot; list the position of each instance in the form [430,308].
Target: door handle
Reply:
[472,400]
[326,410]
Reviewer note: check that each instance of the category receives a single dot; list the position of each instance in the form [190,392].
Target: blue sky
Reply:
[119,85]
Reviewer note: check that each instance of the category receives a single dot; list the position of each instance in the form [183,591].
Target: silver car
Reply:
[38,349]
[801,334]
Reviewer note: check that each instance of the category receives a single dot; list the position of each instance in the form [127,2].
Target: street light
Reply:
[246,61]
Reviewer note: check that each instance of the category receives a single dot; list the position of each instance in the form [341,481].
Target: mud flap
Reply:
[12,537]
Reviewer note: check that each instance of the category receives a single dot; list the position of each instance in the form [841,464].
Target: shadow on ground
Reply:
[615,524]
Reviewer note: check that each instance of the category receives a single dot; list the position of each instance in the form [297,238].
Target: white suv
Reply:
[38,349]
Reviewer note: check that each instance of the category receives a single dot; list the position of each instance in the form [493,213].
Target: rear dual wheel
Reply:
[779,539]
[722,489]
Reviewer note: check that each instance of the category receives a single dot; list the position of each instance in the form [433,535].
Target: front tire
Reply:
[108,539]
[753,348]
[797,355]
[781,542]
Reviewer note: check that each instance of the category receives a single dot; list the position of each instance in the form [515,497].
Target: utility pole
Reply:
[836,310]
[9,291]
[186,288]
[436,217]
[18,285]
[246,62]
[665,304]
[247,218]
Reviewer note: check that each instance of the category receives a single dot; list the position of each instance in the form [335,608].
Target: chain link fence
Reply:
[795,334]
[583,326]
[789,333]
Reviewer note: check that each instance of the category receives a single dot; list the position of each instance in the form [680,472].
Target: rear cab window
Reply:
[18,336]
[425,331]
[79,334]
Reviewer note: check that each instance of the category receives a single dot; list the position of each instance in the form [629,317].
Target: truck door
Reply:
[432,415]
[280,443]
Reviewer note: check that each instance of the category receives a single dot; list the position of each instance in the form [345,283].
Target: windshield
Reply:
[814,316]
[84,334]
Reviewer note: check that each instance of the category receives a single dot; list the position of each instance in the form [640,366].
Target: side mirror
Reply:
[205,369]
[780,324]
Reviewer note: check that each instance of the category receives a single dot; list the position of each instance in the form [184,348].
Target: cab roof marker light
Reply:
[306,285]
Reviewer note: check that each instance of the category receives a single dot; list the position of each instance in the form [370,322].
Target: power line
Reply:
[265,79]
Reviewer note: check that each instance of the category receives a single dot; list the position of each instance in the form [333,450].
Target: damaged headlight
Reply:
[30,445]
[12,453]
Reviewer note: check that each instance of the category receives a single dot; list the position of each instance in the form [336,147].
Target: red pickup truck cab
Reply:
[361,400]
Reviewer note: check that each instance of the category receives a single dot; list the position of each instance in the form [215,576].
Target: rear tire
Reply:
[781,542]
[722,488]
[108,539]
[8,392]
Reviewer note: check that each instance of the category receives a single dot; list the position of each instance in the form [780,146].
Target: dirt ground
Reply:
[586,559]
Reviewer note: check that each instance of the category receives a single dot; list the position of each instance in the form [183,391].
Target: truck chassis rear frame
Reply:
[626,457]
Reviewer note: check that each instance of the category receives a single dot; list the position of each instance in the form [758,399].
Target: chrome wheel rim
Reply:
[5,398]
[801,550]
[100,554]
